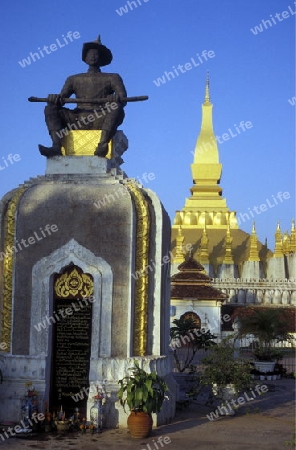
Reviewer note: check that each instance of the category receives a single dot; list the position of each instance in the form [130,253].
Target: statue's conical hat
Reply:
[105,54]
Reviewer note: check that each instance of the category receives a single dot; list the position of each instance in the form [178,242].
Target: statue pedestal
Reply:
[62,165]
[83,143]
[82,232]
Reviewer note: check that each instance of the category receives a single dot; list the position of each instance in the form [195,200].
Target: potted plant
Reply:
[144,394]
[268,326]
[226,374]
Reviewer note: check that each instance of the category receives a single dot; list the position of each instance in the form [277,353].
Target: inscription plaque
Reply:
[71,354]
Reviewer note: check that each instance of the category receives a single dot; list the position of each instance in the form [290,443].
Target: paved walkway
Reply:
[267,422]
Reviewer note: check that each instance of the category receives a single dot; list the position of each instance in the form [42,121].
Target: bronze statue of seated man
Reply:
[92,85]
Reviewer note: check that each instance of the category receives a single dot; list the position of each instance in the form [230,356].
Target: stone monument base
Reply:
[20,370]
[114,235]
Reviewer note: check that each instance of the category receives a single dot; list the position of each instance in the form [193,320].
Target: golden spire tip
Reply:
[207,96]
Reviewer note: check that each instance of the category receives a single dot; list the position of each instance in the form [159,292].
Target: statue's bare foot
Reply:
[102,150]
[55,150]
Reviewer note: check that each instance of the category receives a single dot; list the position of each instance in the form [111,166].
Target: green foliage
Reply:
[293,441]
[186,340]
[222,368]
[142,391]
[268,326]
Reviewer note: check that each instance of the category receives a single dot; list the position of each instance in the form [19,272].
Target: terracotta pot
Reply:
[139,424]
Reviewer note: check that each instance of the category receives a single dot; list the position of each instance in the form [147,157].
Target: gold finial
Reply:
[228,256]
[207,96]
[293,238]
[179,256]
[203,253]
[286,243]
[254,253]
[278,249]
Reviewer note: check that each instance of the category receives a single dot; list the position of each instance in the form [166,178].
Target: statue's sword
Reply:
[95,101]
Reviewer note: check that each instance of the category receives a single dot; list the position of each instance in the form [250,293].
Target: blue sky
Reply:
[252,78]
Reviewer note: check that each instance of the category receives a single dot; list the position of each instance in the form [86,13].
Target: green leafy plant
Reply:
[142,391]
[221,368]
[186,340]
[293,441]
[269,326]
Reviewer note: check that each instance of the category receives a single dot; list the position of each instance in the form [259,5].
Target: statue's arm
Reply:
[118,87]
[67,89]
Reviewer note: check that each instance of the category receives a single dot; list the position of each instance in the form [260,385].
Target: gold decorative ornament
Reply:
[141,266]
[9,227]
[83,143]
[73,283]
[254,253]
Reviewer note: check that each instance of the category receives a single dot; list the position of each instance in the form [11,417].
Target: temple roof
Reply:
[193,282]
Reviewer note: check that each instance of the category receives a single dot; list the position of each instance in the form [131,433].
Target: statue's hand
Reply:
[55,99]
[113,98]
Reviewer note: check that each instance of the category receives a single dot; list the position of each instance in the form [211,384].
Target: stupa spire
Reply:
[203,248]
[179,256]
[207,95]
[206,149]
[286,243]
[206,204]
[278,249]
[293,238]
[228,256]
[254,254]
[206,170]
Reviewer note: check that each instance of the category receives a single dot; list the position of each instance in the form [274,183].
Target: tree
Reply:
[268,326]
[186,340]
